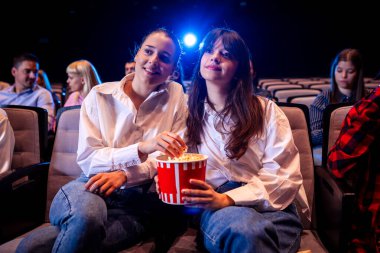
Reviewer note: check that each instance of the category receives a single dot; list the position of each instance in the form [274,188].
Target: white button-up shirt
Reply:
[35,96]
[270,167]
[111,127]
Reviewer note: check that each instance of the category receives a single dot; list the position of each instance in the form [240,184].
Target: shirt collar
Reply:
[160,89]
[343,98]
[12,89]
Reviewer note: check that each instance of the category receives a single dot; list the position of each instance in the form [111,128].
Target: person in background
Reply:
[43,81]
[355,159]
[253,169]
[25,90]
[123,126]
[7,142]
[177,76]
[130,67]
[82,76]
[347,86]
[4,85]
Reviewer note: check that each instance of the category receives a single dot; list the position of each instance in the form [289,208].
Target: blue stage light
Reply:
[190,40]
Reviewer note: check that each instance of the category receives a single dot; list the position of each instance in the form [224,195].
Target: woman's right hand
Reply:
[170,144]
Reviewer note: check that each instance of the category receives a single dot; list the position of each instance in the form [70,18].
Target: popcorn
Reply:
[187,157]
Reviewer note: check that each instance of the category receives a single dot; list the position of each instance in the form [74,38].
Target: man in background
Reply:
[25,90]
[129,67]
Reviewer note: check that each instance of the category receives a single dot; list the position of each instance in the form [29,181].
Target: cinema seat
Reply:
[62,169]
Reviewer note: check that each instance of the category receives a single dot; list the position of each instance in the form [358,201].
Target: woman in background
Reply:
[82,76]
[347,86]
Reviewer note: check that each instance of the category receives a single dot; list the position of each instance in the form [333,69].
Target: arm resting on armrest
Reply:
[23,200]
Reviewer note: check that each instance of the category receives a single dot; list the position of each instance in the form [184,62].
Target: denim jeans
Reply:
[85,222]
[244,229]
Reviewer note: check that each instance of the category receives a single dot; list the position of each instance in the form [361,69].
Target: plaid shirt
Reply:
[353,158]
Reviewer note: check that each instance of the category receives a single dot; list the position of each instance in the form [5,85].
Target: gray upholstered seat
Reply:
[283,94]
[275,87]
[64,168]
[333,117]
[30,129]
[301,99]
[298,119]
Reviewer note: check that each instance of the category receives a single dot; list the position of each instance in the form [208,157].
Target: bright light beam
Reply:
[190,40]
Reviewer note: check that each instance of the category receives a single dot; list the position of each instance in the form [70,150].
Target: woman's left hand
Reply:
[204,196]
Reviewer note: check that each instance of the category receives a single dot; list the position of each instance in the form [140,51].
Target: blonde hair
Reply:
[87,71]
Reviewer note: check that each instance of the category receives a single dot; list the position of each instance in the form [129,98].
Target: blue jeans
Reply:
[85,222]
[244,229]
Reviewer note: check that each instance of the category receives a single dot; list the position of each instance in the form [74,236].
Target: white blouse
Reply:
[111,127]
[270,168]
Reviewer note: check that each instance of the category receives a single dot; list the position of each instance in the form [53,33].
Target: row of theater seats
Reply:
[26,193]
[302,90]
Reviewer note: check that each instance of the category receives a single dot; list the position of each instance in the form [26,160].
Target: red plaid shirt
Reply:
[355,157]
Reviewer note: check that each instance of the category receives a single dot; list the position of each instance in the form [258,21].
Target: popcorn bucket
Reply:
[174,175]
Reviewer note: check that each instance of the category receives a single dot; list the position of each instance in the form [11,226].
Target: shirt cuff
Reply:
[133,159]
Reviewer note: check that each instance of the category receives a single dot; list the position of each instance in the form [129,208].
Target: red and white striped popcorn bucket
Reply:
[174,175]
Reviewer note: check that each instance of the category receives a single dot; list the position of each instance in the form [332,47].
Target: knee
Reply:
[73,203]
[260,229]
[227,229]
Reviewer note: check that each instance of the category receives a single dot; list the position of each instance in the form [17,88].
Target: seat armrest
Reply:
[5,174]
[334,205]
[23,200]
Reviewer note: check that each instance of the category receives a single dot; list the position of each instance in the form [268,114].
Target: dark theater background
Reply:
[287,38]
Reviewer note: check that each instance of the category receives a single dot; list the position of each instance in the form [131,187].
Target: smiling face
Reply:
[345,75]
[25,75]
[155,60]
[218,65]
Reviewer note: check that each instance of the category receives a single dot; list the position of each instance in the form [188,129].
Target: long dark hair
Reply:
[241,104]
[353,56]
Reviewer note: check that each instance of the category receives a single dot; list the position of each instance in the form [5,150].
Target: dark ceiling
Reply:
[287,38]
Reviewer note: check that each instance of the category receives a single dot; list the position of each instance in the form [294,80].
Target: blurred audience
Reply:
[24,91]
[7,142]
[130,67]
[82,76]
[177,75]
[354,159]
[4,85]
[43,81]
[347,86]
